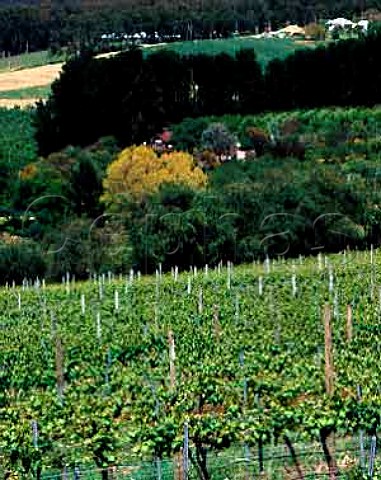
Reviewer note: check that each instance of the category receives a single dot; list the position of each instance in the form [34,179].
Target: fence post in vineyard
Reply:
[67,283]
[153,390]
[77,473]
[157,297]
[260,286]
[186,452]
[65,475]
[260,445]
[172,357]
[107,372]
[216,322]
[99,327]
[329,371]
[116,301]
[349,323]
[329,385]
[157,457]
[335,306]
[293,282]
[361,433]
[35,433]
[267,264]
[157,461]
[100,289]
[83,304]
[19,301]
[242,364]
[330,286]
[372,455]
[229,276]
[200,301]
[189,286]
[60,368]
[177,459]
[245,445]
[53,324]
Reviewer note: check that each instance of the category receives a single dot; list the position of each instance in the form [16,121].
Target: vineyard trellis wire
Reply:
[238,463]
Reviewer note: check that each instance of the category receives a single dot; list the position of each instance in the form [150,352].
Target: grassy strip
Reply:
[28,60]
[25,93]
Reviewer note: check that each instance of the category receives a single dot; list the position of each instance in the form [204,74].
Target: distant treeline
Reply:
[132,97]
[31,28]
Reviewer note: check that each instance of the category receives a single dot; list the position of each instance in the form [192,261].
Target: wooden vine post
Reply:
[329,371]
[172,358]
[60,368]
[178,457]
[328,437]
[349,323]
[216,323]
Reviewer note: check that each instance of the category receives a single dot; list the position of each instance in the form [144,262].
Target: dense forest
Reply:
[132,96]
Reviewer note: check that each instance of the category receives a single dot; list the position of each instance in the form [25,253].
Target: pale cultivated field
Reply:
[29,77]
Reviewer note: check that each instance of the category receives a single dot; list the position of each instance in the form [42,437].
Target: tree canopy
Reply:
[139,171]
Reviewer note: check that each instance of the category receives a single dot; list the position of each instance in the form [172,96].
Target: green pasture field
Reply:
[28,60]
[267,49]
[25,93]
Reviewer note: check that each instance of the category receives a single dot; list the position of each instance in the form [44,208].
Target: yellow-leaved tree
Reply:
[139,170]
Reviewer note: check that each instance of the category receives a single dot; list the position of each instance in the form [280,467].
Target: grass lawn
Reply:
[28,60]
[25,93]
[266,48]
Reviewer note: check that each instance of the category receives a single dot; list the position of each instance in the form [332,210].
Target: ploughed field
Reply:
[94,365]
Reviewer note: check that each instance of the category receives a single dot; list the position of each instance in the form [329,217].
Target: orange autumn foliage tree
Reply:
[139,170]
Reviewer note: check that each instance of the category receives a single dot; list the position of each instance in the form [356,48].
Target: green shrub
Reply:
[19,261]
